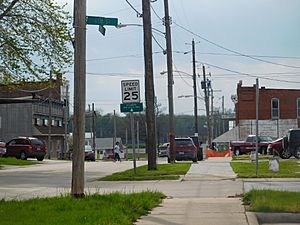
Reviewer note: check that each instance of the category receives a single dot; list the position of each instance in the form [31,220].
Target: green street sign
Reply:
[97,20]
[131,107]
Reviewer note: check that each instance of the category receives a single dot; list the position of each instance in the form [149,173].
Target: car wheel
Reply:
[297,153]
[237,152]
[285,154]
[23,155]
[263,150]
[40,158]
[195,159]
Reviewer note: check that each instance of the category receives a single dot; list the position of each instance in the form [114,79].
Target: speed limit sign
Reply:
[130,91]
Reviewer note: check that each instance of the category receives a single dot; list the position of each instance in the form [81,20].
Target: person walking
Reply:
[117,152]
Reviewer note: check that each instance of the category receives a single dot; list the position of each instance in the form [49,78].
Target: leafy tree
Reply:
[34,38]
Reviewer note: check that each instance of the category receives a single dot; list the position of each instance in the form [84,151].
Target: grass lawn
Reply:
[287,169]
[272,201]
[247,157]
[16,162]
[163,172]
[110,209]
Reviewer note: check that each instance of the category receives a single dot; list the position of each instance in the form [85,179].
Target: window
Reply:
[275,108]
[298,107]
[45,122]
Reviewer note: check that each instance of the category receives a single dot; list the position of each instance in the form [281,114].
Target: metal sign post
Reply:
[133,141]
[131,103]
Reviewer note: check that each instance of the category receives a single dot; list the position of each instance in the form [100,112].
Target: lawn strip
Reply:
[112,209]
[287,169]
[16,162]
[272,201]
[163,172]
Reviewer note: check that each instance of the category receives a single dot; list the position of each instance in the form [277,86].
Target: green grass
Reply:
[163,172]
[272,201]
[110,209]
[247,157]
[287,169]
[16,162]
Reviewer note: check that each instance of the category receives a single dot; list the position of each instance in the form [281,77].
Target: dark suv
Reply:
[292,142]
[185,150]
[26,147]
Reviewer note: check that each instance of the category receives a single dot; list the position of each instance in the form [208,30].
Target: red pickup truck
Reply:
[245,147]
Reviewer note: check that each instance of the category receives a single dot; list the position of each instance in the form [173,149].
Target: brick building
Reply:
[24,111]
[279,111]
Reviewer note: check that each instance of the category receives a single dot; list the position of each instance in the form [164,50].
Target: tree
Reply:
[34,38]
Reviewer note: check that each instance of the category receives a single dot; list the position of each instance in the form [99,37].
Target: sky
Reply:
[235,40]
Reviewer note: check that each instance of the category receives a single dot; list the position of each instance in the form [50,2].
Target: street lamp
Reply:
[122,25]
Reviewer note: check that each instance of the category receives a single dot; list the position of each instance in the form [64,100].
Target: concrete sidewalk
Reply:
[214,209]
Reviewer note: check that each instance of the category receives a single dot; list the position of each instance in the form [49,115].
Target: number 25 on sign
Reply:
[130,91]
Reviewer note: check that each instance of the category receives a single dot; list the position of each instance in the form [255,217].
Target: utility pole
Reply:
[256,112]
[90,119]
[115,129]
[206,97]
[77,188]
[50,116]
[138,139]
[167,23]
[195,89]
[223,113]
[94,130]
[66,117]
[149,86]
[212,112]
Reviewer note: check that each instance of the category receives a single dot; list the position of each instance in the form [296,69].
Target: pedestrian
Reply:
[117,152]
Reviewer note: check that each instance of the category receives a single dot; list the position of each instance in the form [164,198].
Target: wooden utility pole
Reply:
[167,23]
[212,123]
[195,88]
[77,188]
[149,86]
[206,97]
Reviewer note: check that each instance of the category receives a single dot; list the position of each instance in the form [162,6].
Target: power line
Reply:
[155,13]
[235,52]
[249,75]
[137,12]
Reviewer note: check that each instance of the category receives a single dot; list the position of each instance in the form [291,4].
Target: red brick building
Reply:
[279,110]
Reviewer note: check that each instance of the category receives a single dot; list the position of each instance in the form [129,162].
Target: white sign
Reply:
[130,91]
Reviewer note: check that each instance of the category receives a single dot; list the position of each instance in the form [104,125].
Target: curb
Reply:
[251,218]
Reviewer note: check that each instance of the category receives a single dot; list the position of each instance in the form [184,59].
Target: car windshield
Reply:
[88,148]
[266,138]
[2,149]
[183,142]
[37,142]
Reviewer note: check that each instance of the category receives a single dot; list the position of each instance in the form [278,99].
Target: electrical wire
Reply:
[155,13]
[137,12]
[233,51]
[249,75]
[154,38]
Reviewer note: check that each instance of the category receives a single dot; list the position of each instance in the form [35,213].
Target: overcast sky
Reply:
[236,40]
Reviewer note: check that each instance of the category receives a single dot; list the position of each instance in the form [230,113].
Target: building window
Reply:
[45,122]
[298,107]
[275,108]
[38,121]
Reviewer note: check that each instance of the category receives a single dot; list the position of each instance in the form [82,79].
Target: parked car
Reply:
[89,153]
[185,150]
[276,148]
[162,150]
[249,145]
[2,149]
[26,147]
[198,143]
